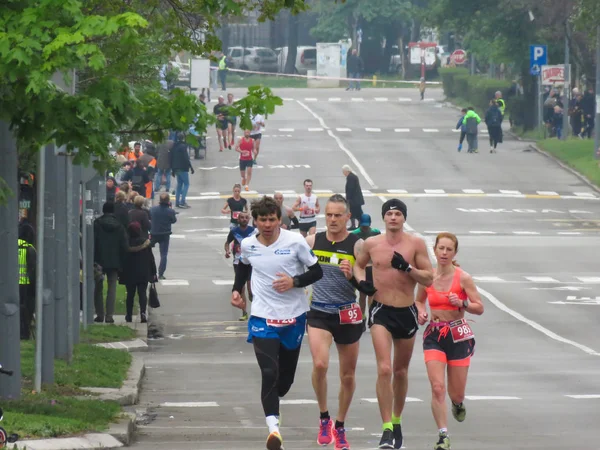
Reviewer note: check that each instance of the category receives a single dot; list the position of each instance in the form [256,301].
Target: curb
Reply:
[91,441]
[565,167]
[129,393]
[124,429]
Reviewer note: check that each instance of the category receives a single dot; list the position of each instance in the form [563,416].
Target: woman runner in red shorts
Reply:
[245,147]
[448,341]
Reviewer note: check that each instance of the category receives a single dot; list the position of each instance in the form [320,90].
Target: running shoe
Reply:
[340,439]
[275,441]
[325,432]
[459,147]
[459,412]
[387,439]
[244,317]
[443,442]
[398,438]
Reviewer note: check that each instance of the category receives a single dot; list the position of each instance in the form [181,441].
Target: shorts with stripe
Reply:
[342,334]
[400,322]
[438,345]
[306,226]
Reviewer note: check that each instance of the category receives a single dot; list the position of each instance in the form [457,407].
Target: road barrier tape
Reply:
[320,77]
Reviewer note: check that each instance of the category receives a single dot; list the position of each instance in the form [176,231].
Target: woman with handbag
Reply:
[139,270]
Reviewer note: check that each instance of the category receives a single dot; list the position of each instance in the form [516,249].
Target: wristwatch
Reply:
[465,303]
[296,282]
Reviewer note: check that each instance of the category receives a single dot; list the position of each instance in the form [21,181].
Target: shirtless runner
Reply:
[400,261]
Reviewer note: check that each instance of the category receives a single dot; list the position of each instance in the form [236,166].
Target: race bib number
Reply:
[351,314]
[281,322]
[245,153]
[309,211]
[461,331]
[235,215]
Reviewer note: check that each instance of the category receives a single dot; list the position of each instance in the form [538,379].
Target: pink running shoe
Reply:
[340,439]
[325,432]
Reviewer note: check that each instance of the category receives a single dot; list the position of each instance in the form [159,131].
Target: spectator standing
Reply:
[588,105]
[140,269]
[163,166]
[354,196]
[162,217]
[355,68]
[140,215]
[111,189]
[122,209]
[138,177]
[493,120]
[27,273]
[223,69]
[110,248]
[181,166]
[557,122]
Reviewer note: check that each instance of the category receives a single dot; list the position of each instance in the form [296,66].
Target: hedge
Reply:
[476,89]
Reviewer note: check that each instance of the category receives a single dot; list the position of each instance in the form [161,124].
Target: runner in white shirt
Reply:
[258,124]
[308,205]
[278,316]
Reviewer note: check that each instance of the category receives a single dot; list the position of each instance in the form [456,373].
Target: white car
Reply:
[260,59]
[306,59]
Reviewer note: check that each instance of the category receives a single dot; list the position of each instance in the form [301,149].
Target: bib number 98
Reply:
[461,331]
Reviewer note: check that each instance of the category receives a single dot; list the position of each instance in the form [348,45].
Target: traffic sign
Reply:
[553,74]
[458,56]
[535,70]
[538,56]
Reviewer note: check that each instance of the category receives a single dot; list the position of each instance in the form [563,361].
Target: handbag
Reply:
[153,297]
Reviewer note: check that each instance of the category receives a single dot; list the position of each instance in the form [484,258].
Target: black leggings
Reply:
[142,289]
[495,134]
[278,368]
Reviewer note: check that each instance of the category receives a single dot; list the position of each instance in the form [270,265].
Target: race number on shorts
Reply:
[461,331]
[351,314]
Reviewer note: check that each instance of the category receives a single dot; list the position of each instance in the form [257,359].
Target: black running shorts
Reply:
[400,322]
[342,334]
[307,226]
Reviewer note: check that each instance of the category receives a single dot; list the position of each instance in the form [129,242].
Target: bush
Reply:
[476,89]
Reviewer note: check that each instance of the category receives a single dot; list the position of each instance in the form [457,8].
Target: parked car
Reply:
[306,59]
[260,59]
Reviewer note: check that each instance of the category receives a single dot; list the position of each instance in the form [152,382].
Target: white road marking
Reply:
[343,129]
[357,99]
[431,130]
[315,129]
[209,193]
[189,404]
[373,130]
[428,100]
[381,99]
[175,282]
[287,99]
[482,232]
[584,397]
[434,232]
[322,191]
[491,397]
[454,130]
[397,191]
[435,191]
[584,194]
[243,416]
[178,236]
[489,279]
[551,193]
[408,400]
[552,335]
[504,191]
[286,130]
[593,280]
[223,282]
[310,99]
[402,130]
[298,402]
[405,99]
[335,99]
[472,191]
[315,115]
[542,279]
[526,233]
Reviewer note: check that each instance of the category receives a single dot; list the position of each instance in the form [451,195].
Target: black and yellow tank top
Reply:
[333,290]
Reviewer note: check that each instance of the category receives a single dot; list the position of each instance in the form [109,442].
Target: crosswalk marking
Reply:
[401,130]
[358,99]
[335,99]
[315,129]
[488,278]
[381,99]
[373,130]
[543,279]
[584,397]
[298,402]
[223,282]
[288,130]
[593,280]
[435,191]
[431,130]
[472,191]
[343,129]
[547,193]
[174,282]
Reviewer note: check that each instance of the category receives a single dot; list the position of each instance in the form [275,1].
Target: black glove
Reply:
[366,287]
[399,263]
[193,171]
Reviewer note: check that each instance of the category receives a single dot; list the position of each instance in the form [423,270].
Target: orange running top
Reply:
[439,300]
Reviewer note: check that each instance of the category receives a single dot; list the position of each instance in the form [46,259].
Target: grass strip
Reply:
[577,154]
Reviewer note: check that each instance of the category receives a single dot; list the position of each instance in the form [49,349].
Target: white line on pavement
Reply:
[551,193]
[552,335]
[491,397]
[175,282]
[310,99]
[402,130]
[358,99]
[526,233]
[298,402]
[405,99]
[542,279]
[482,232]
[178,236]
[435,191]
[315,129]
[472,191]
[584,397]
[286,130]
[492,279]
[381,99]
[408,400]
[189,404]
[431,130]
[589,279]
[343,129]
[373,130]
[335,99]
[223,282]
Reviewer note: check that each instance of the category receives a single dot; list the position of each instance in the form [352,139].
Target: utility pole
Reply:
[10,323]
[567,87]
[60,280]
[597,93]
[39,281]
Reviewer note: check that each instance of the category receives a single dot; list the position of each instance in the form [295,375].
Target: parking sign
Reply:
[538,57]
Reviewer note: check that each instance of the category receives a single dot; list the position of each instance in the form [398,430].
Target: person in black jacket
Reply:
[355,68]
[110,248]
[140,215]
[122,208]
[354,196]
[493,120]
[161,219]
[181,166]
[588,105]
[140,269]
[138,177]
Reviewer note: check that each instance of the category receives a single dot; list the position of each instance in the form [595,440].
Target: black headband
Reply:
[394,204]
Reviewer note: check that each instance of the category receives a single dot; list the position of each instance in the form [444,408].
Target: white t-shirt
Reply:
[256,128]
[290,254]
[308,205]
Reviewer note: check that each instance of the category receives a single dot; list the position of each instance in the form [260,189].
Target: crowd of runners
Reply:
[331,284]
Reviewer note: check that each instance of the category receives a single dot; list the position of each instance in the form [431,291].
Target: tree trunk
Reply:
[402,55]
[292,43]
[415,32]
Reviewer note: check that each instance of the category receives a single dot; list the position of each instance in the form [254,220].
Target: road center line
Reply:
[497,303]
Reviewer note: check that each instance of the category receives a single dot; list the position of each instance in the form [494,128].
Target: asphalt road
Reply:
[528,232]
